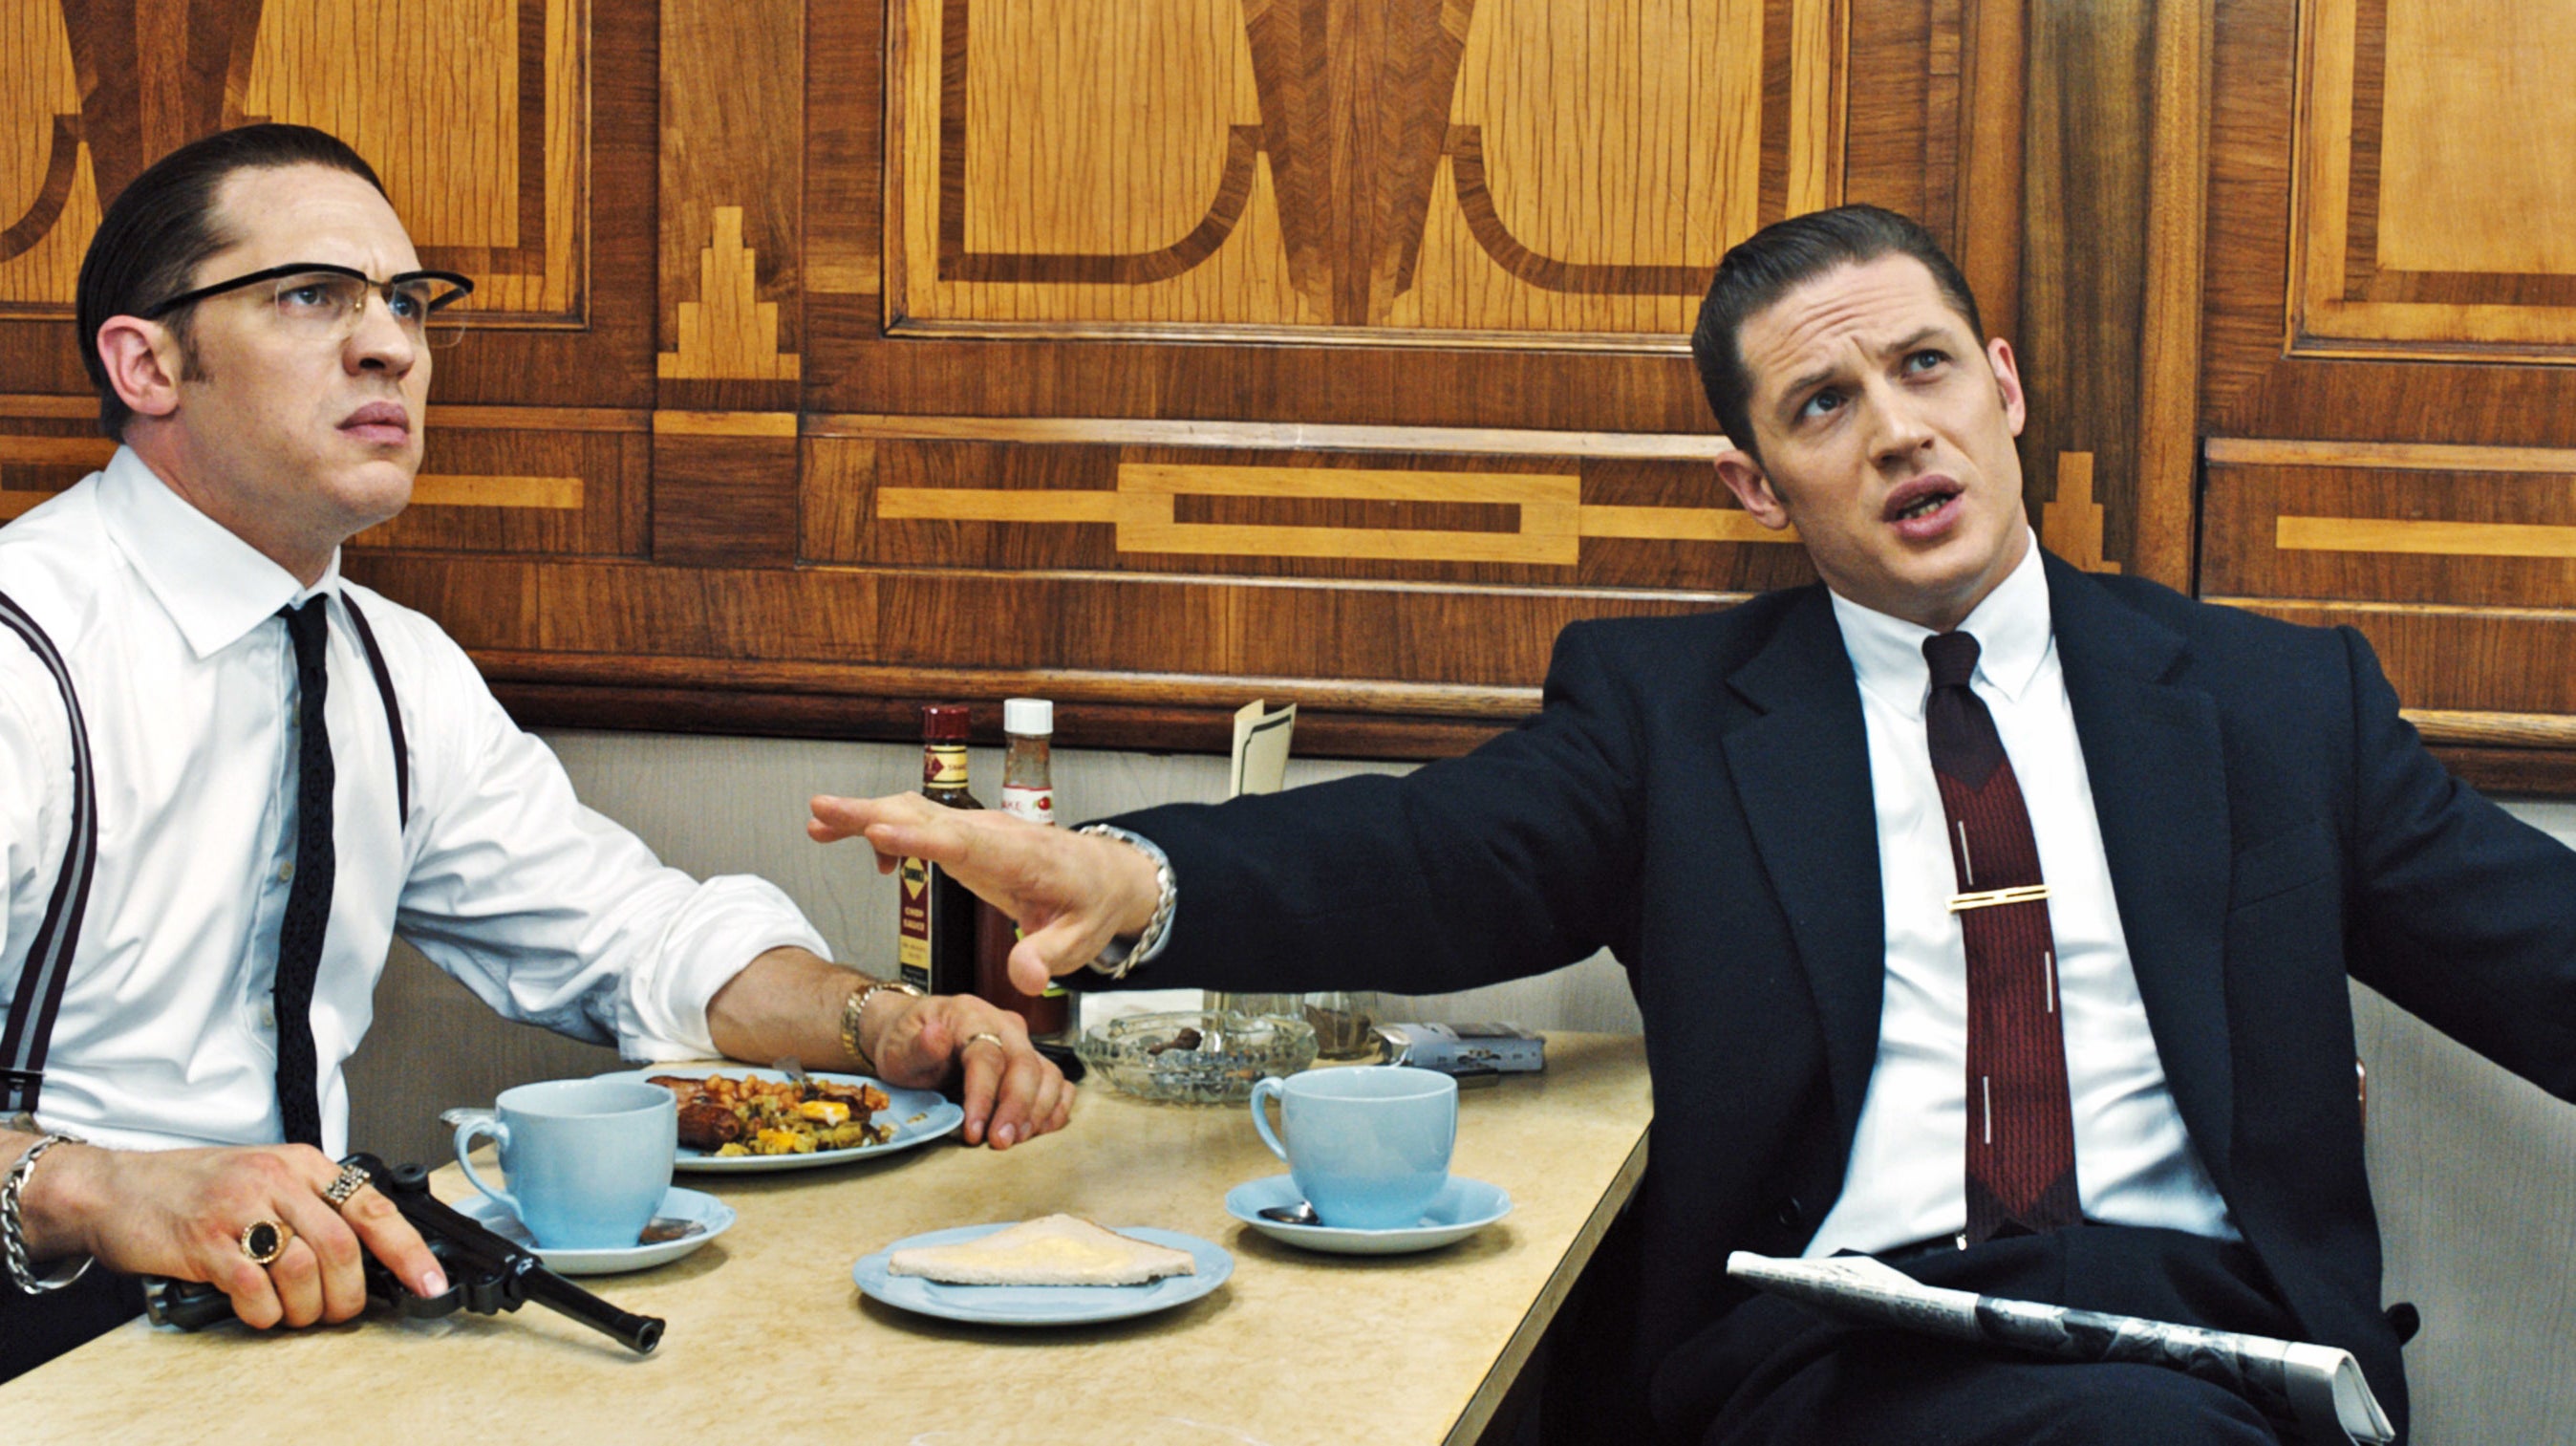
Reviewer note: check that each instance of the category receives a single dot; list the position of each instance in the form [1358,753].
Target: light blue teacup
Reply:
[1368,1146]
[588,1160]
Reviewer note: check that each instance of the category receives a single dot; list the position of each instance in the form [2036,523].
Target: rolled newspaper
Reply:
[2317,1393]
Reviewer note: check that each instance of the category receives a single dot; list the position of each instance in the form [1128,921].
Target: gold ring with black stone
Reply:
[265,1240]
[351,1179]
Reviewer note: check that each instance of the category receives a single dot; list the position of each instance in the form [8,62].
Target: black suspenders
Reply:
[49,955]
[393,710]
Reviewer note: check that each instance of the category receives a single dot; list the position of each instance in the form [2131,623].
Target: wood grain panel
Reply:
[467,496]
[1546,521]
[2462,660]
[477,111]
[2170,303]
[2071,524]
[2399,247]
[583,493]
[1546,507]
[724,500]
[2261,380]
[470,111]
[2348,530]
[1553,169]
[729,332]
[2487,72]
[1468,379]
[1284,436]
[1985,229]
[2089,135]
[732,218]
[49,200]
[1557,176]
[781,629]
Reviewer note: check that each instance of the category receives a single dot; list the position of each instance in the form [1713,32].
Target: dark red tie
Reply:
[2021,1127]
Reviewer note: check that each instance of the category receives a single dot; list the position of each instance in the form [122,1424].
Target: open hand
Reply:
[1070,893]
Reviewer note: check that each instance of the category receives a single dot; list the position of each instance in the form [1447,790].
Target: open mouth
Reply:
[1920,498]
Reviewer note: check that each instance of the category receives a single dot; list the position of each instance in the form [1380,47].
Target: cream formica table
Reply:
[769,1341]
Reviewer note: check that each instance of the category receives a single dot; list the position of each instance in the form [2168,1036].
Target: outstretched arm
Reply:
[1071,893]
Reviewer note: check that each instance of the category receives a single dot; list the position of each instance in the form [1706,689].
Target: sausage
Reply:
[706,1125]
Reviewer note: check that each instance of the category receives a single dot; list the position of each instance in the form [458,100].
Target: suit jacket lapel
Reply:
[2152,751]
[1801,774]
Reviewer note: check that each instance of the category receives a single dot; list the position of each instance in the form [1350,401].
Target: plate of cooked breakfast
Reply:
[1055,1270]
[738,1120]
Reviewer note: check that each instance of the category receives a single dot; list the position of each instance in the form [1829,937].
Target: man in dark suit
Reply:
[1984,915]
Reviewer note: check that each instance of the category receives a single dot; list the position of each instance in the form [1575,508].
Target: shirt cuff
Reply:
[732,920]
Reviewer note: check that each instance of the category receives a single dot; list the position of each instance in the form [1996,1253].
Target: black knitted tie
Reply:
[308,900]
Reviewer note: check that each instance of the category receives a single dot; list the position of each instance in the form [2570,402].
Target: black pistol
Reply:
[485,1273]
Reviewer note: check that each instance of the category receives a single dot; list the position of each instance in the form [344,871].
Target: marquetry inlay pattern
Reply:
[429,489]
[2435,215]
[2071,523]
[730,332]
[472,111]
[2415,524]
[1548,168]
[1545,519]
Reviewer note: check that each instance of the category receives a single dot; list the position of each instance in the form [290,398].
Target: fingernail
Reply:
[1006,1135]
[433,1284]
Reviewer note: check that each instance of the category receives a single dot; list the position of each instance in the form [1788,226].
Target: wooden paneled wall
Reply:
[1155,354]
[2389,420]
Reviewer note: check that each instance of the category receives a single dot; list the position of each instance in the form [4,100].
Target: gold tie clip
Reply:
[1988,898]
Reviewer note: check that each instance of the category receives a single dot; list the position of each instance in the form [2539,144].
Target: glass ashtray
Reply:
[1196,1056]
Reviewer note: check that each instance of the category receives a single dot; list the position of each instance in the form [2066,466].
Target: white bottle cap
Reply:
[1028,717]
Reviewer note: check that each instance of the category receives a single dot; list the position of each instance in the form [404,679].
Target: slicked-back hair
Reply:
[1783,256]
[162,227]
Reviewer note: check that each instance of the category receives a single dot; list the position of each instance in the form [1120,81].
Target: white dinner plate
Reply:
[1462,1208]
[1041,1305]
[917,1117]
[712,1216]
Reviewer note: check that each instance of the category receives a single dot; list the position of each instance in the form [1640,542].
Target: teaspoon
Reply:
[1300,1213]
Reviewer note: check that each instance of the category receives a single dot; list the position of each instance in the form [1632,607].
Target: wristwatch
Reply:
[855,1007]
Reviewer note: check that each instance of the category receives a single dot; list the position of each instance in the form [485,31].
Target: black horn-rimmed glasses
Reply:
[326,301]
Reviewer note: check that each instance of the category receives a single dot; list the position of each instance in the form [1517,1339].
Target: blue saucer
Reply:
[712,1216]
[1462,1208]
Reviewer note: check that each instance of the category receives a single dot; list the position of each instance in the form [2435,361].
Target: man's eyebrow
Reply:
[1796,391]
[1800,385]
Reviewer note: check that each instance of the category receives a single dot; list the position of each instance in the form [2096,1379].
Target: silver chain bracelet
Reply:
[1114,961]
[13,1230]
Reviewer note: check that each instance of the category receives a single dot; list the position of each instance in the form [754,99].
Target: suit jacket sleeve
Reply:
[1517,858]
[2460,913]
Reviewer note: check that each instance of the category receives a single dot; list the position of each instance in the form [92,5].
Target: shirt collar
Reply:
[2012,628]
[215,586]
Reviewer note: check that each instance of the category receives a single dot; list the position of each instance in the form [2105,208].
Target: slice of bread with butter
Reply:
[1052,1250]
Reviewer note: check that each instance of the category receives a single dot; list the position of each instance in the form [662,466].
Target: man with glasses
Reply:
[227,776]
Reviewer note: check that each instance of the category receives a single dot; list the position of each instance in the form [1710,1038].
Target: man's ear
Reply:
[2008,381]
[142,361]
[1745,478]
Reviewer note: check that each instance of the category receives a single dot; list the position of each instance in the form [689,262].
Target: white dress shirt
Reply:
[2134,1165]
[548,911]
